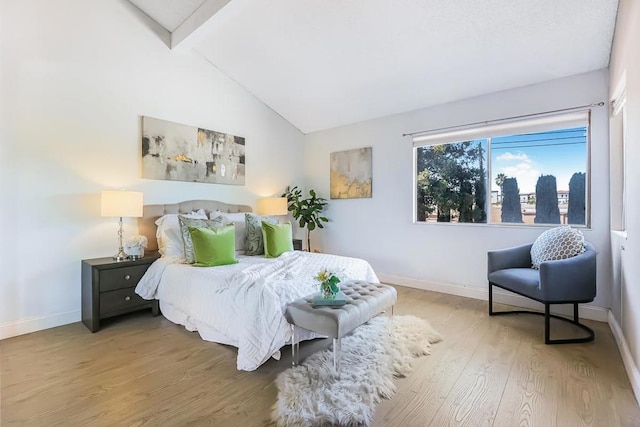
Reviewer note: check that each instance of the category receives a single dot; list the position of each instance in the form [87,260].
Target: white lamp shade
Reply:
[122,204]
[272,206]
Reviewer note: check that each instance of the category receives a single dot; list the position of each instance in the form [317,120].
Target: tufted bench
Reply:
[364,301]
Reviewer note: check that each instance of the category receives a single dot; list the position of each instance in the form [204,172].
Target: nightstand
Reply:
[108,289]
[297,244]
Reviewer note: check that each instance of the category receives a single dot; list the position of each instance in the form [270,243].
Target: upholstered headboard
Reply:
[147,223]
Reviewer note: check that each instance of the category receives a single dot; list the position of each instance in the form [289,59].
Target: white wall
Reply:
[625,58]
[445,256]
[76,77]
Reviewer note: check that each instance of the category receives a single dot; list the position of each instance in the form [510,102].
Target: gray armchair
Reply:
[567,281]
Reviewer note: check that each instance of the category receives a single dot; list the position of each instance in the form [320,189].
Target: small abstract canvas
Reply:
[177,152]
[351,174]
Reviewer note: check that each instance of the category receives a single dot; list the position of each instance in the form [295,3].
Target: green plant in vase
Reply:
[328,284]
[306,211]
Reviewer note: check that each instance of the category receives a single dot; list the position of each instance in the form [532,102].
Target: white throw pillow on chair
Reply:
[558,243]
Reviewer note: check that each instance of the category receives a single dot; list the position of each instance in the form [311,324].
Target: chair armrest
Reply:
[516,257]
[572,279]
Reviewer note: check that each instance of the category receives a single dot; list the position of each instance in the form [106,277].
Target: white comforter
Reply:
[245,302]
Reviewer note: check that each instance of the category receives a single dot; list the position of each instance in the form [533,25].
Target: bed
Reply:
[240,304]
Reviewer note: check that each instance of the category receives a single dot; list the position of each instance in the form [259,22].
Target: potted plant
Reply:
[306,211]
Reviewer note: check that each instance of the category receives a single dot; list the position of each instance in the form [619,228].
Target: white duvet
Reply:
[245,302]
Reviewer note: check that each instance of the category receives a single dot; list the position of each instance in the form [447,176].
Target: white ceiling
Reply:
[322,64]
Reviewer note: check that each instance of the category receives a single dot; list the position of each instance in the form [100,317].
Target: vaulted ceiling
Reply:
[323,64]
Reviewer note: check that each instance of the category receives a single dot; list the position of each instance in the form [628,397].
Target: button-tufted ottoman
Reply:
[364,301]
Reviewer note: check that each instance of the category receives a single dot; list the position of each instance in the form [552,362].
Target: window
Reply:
[618,157]
[525,172]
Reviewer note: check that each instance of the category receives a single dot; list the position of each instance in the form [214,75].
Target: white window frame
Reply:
[618,109]
[507,127]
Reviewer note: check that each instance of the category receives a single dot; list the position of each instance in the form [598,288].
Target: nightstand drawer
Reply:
[120,300]
[124,277]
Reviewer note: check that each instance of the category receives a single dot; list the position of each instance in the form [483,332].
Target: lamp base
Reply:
[120,256]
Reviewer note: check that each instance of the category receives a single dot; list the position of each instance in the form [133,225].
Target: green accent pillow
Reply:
[185,223]
[253,243]
[278,239]
[214,246]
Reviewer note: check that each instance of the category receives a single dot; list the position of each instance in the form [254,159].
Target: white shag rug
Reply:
[312,395]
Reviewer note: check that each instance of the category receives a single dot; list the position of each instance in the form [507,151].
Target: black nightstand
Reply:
[108,289]
[297,244]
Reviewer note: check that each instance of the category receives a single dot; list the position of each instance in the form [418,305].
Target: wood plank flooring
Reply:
[140,370]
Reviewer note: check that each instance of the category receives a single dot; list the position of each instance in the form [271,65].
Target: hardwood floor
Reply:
[141,370]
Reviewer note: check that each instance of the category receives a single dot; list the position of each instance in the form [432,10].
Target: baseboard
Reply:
[26,326]
[591,312]
[632,369]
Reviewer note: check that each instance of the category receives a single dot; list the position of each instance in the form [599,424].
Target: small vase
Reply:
[327,293]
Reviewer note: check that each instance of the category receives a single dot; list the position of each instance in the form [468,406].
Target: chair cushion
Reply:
[557,243]
[525,281]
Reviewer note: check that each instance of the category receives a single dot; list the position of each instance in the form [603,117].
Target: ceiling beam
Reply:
[196,20]
[162,33]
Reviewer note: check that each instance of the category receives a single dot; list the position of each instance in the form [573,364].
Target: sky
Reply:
[560,153]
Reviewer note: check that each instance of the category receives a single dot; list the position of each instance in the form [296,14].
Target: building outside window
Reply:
[528,172]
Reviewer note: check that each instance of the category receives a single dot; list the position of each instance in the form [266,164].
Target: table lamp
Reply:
[272,206]
[121,203]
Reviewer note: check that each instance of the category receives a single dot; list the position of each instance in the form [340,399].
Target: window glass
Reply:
[451,182]
[535,178]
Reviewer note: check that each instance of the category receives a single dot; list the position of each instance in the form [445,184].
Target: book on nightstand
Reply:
[340,299]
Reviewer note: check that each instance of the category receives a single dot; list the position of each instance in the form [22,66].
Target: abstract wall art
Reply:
[351,174]
[177,152]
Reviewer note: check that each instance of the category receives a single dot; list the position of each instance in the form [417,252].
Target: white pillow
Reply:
[169,237]
[236,219]
[558,243]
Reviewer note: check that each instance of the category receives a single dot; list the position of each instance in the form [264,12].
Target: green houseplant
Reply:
[306,210]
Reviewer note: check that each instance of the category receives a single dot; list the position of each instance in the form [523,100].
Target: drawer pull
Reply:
[127,277]
[127,298]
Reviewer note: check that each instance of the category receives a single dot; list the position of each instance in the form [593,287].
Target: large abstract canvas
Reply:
[177,152]
[351,174]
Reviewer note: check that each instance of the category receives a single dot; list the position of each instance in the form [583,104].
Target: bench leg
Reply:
[337,344]
[295,346]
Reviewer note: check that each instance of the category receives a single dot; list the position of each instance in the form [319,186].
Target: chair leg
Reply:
[547,321]
[490,299]
[576,322]
[547,324]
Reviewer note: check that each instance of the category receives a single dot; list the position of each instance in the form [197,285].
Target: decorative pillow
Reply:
[187,243]
[558,243]
[278,239]
[236,219]
[214,246]
[253,244]
[168,233]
